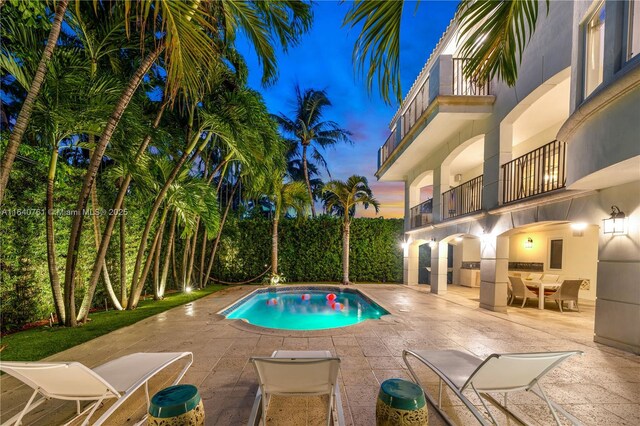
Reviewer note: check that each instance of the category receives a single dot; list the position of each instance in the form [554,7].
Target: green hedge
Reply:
[311,250]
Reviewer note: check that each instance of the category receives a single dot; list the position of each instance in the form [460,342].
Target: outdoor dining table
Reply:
[541,287]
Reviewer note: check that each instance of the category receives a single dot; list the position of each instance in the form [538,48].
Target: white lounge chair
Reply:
[297,373]
[500,373]
[74,381]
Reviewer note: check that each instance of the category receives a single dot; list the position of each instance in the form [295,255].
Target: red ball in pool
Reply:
[331,297]
[272,302]
[337,306]
[306,296]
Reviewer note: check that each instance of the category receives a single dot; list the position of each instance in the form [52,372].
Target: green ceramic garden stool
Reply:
[401,403]
[176,406]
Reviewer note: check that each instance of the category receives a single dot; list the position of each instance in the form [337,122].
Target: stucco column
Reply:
[439,253]
[440,185]
[411,255]
[494,267]
[497,151]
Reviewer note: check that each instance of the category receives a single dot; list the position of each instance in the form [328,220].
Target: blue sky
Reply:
[322,60]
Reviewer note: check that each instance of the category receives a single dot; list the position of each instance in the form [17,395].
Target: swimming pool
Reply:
[304,308]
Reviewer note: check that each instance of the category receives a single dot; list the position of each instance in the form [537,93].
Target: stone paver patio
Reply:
[601,388]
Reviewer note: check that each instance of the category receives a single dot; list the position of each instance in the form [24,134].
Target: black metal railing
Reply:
[463,199]
[463,86]
[422,214]
[418,105]
[537,172]
[385,150]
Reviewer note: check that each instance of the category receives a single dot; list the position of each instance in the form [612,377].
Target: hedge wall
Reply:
[311,250]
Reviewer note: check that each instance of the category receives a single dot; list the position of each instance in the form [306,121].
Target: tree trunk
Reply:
[217,240]
[137,291]
[123,257]
[193,251]
[56,290]
[203,250]
[185,259]
[117,206]
[274,246]
[90,175]
[165,266]
[156,266]
[174,267]
[305,169]
[345,253]
[24,116]
[135,284]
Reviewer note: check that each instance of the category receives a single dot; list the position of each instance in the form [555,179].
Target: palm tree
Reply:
[287,196]
[341,198]
[307,130]
[495,33]
[22,120]
[184,32]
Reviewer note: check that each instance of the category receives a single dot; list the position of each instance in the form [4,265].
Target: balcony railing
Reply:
[385,150]
[418,105]
[537,172]
[462,86]
[421,214]
[463,199]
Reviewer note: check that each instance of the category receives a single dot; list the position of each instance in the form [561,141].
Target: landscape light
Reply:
[188,289]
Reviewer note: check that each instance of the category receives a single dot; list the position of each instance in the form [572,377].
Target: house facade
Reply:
[541,177]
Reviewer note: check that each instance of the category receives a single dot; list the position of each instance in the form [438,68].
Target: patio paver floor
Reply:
[601,388]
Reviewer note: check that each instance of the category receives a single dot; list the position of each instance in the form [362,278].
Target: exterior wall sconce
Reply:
[616,224]
[529,243]
[433,243]
[459,239]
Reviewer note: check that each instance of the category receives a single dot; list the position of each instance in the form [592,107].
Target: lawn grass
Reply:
[41,342]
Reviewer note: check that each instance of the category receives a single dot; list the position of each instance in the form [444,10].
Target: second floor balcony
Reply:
[534,173]
[422,214]
[464,199]
[437,106]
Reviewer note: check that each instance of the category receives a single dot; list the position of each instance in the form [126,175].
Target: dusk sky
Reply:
[322,60]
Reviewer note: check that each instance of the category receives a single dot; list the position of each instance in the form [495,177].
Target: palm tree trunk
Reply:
[174,267]
[136,291]
[274,246]
[185,260]
[156,266]
[165,266]
[27,107]
[217,241]
[305,169]
[90,175]
[56,290]
[203,250]
[123,257]
[117,206]
[345,253]
[135,283]
[193,250]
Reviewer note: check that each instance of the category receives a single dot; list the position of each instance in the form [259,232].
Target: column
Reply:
[439,254]
[411,260]
[494,267]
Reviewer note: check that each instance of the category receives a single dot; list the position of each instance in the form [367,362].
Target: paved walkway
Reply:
[601,388]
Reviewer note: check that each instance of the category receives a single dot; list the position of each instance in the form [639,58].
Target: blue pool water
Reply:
[305,309]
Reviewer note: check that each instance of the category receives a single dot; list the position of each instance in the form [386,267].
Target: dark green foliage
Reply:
[310,250]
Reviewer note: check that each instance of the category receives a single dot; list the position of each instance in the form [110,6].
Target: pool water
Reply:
[305,308]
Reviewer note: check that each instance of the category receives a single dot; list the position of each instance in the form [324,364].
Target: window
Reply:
[594,50]
[555,254]
[633,43]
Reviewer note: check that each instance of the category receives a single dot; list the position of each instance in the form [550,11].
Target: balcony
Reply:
[436,108]
[421,214]
[463,199]
[537,172]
